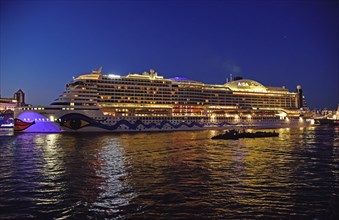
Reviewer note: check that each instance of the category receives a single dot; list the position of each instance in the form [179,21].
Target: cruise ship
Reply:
[97,102]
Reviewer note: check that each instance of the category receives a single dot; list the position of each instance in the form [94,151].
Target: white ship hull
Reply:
[55,121]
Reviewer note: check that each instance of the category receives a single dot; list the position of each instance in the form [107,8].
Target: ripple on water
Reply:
[170,175]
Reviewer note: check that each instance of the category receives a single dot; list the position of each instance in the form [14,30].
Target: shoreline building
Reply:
[7,104]
[19,96]
[18,100]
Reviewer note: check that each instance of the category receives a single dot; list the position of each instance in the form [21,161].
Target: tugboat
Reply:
[235,135]
[228,135]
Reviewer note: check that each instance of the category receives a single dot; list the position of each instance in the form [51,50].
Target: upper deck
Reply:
[151,93]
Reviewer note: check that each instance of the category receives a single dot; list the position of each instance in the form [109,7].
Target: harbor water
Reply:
[170,175]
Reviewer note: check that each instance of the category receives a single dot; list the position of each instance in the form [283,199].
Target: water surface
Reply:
[170,175]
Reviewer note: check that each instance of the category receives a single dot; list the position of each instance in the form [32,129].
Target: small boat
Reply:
[235,135]
[9,125]
[6,119]
[327,121]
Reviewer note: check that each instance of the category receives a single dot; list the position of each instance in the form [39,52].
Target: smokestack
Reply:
[299,97]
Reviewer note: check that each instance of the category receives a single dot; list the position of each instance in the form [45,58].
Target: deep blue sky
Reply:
[277,43]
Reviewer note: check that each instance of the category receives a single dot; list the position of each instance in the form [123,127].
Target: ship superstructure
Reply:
[148,101]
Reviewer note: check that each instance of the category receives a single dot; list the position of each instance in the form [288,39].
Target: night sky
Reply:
[277,43]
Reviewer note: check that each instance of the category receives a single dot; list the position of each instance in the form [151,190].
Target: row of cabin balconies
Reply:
[171,96]
[195,105]
[199,101]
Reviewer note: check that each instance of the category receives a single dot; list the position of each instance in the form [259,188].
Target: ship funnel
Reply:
[299,97]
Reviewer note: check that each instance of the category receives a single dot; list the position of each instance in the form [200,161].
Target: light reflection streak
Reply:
[53,155]
[113,170]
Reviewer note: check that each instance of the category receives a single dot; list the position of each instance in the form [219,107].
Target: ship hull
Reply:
[56,121]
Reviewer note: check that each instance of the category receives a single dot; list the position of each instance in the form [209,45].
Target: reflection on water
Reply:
[170,175]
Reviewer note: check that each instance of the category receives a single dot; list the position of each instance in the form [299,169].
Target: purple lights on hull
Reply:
[31,121]
[42,124]
[68,121]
